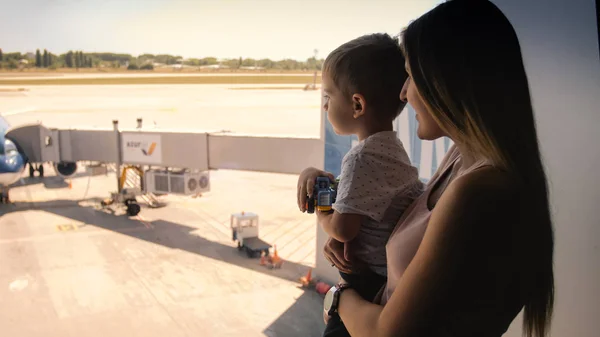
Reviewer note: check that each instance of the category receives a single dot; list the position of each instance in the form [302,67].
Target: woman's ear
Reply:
[358,105]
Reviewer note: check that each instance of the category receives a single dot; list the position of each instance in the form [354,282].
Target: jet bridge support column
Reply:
[119,156]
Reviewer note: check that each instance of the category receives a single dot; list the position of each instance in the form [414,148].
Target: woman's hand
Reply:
[306,184]
[334,253]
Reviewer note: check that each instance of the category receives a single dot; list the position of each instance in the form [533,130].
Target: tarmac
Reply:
[69,267]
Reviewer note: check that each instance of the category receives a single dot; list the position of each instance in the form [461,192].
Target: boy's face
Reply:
[339,108]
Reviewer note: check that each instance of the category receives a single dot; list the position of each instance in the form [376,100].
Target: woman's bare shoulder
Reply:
[485,192]
[486,180]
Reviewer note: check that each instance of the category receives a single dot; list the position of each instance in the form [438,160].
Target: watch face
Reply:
[328,302]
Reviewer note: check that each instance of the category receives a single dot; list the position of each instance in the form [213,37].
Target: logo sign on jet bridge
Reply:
[141,148]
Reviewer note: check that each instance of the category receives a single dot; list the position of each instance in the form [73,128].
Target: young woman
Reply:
[477,247]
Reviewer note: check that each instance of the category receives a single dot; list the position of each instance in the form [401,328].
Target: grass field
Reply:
[149,79]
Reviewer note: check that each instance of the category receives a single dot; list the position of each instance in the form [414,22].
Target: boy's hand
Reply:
[306,184]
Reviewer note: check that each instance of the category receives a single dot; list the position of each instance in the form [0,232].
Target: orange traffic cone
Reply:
[309,275]
[306,280]
[70,184]
[275,255]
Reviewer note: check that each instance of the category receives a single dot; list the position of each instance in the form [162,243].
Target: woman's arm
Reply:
[467,202]
[359,316]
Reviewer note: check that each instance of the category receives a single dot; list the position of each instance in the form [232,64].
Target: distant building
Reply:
[252,68]
[23,63]
[214,66]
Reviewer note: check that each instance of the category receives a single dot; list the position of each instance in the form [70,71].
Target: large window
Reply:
[425,155]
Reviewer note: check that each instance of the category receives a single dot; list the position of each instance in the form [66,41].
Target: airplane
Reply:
[12,162]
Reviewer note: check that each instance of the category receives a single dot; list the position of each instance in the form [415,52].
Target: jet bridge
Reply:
[174,149]
[165,161]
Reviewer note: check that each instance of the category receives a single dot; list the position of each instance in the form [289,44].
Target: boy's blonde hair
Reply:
[373,66]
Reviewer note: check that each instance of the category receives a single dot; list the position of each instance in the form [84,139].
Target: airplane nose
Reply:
[11,163]
[11,160]
[11,169]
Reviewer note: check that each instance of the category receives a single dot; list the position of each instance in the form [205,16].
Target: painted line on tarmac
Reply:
[48,237]
[67,227]
[18,112]
[144,222]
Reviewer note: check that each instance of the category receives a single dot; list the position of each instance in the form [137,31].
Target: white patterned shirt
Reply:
[377,181]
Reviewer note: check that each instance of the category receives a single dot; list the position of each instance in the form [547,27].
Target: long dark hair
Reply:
[465,60]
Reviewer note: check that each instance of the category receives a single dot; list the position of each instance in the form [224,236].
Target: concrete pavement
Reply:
[68,267]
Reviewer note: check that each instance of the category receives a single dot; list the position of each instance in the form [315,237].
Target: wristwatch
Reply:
[332,298]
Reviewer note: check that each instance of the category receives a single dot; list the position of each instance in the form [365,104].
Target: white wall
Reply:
[560,47]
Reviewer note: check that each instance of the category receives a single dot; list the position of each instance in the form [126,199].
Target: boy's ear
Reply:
[358,105]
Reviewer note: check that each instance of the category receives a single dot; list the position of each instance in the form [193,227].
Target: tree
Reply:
[12,64]
[231,63]
[288,64]
[69,59]
[249,63]
[46,59]
[266,63]
[1,55]
[240,63]
[208,61]
[38,58]
[77,60]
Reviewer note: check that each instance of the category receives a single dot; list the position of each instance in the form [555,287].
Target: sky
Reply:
[275,29]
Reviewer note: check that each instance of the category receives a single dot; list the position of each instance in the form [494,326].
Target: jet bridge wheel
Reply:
[32,170]
[133,208]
